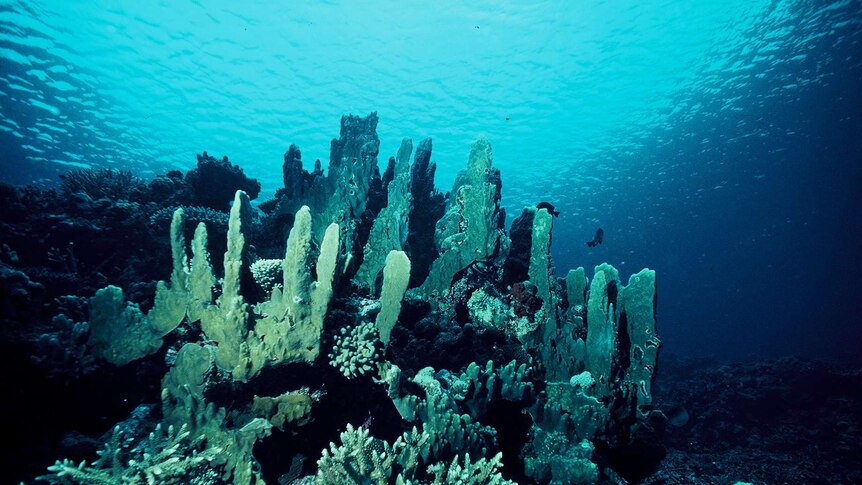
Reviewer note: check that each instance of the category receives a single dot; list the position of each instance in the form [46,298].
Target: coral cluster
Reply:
[462,355]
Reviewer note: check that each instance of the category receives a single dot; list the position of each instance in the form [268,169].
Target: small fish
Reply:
[597,239]
[548,206]
[678,416]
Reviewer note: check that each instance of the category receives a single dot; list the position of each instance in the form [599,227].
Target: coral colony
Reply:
[464,358]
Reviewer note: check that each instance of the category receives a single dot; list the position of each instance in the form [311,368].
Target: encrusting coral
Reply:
[564,364]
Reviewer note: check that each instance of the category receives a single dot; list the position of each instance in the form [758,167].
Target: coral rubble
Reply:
[401,335]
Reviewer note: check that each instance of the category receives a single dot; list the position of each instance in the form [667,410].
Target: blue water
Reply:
[716,142]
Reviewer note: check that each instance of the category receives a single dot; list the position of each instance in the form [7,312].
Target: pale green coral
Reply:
[356,351]
[290,407]
[183,385]
[396,275]
[171,456]
[389,231]
[480,472]
[288,326]
[119,332]
[360,458]
[291,322]
[584,380]
[235,442]
[471,230]
[190,290]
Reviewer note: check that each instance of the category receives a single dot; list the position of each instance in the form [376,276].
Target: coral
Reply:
[214,219]
[119,332]
[472,228]
[583,380]
[602,386]
[554,455]
[184,404]
[16,292]
[183,385]
[517,265]
[296,180]
[288,407]
[389,231]
[488,311]
[481,472]
[356,351]
[291,322]
[359,458]
[396,275]
[445,430]
[342,195]
[101,183]
[168,456]
[479,386]
[428,207]
[577,355]
[214,182]
[267,273]
[227,322]
[63,350]
[525,299]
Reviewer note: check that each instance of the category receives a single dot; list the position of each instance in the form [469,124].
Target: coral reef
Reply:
[390,332]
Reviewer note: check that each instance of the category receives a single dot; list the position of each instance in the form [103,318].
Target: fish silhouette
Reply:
[597,239]
[549,207]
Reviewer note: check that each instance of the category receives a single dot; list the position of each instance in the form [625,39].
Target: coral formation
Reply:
[548,379]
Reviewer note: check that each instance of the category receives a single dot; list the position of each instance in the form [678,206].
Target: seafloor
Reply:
[361,326]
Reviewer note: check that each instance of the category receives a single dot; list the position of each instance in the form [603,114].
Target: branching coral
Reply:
[100,183]
[167,456]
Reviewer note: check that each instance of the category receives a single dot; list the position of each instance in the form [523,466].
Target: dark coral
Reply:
[428,207]
[214,182]
[518,262]
[99,183]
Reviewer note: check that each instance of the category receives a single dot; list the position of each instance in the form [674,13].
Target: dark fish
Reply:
[548,206]
[598,239]
[678,416]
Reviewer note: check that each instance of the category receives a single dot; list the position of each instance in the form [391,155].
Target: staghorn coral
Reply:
[168,456]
